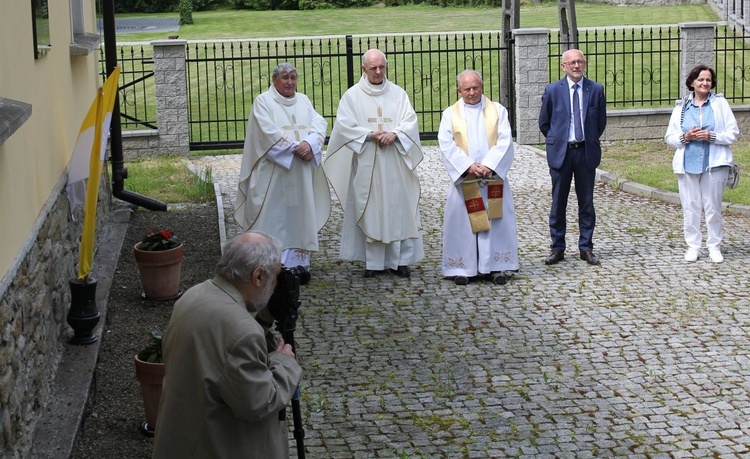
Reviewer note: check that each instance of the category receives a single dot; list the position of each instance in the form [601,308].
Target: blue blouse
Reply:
[696,152]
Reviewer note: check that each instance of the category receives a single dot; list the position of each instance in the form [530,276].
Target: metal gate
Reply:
[224,77]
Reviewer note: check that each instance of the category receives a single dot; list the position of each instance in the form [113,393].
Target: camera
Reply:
[301,272]
[284,301]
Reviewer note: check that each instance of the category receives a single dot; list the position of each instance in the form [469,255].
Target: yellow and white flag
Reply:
[78,168]
[86,165]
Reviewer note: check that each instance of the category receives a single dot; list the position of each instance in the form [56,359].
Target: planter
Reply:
[150,376]
[160,272]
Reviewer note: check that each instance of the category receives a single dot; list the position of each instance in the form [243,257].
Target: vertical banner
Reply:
[86,163]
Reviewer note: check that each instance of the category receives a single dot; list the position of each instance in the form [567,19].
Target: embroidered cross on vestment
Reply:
[379,119]
[294,128]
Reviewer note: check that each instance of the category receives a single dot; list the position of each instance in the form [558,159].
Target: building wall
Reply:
[60,89]
[40,237]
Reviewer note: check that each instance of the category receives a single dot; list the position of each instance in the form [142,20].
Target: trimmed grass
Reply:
[650,163]
[168,179]
[223,23]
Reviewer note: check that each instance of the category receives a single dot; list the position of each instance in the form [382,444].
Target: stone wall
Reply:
[34,301]
[651,124]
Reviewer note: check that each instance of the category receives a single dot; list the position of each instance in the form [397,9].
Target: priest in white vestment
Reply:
[282,189]
[372,154]
[479,228]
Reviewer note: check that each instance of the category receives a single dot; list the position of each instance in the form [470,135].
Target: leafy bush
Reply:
[145,6]
[263,5]
[203,5]
[186,12]
[315,5]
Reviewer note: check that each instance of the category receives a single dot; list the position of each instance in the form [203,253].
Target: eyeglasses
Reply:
[572,63]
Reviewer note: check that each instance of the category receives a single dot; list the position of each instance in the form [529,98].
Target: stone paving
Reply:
[644,356]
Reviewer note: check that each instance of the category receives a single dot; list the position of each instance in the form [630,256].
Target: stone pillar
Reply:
[697,47]
[531,67]
[171,96]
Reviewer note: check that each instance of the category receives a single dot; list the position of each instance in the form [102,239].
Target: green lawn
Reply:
[650,163]
[212,25]
[644,162]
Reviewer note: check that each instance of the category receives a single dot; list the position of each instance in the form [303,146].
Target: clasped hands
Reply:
[697,134]
[303,151]
[383,138]
[477,171]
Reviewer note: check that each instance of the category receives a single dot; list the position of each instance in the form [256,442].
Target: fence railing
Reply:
[732,64]
[225,76]
[639,67]
[137,97]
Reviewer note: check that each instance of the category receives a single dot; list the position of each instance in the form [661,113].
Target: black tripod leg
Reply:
[299,430]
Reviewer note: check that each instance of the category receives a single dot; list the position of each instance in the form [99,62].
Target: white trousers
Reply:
[702,192]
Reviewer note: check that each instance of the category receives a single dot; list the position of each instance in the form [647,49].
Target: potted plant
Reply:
[159,258]
[149,369]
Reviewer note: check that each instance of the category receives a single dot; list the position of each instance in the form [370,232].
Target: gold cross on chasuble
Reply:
[379,119]
[294,128]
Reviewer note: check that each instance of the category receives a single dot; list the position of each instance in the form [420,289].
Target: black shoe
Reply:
[498,278]
[369,273]
[589,257]
[402,271]
[461,280]
[554,257]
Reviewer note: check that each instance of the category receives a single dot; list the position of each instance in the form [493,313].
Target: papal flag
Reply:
[85,166]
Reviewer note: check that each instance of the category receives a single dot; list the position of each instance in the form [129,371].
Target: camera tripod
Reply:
[286,330]
[283,306]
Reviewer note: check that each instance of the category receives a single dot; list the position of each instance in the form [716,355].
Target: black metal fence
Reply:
[638,66]
[225,76]
[137,97]
[732,64]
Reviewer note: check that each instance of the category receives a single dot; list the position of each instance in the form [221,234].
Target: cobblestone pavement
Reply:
[644,356]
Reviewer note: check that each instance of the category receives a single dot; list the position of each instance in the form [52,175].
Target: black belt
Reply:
[572,145]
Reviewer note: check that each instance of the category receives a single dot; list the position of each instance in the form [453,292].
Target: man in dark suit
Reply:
[573,117]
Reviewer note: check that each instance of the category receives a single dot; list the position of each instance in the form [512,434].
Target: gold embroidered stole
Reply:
[478,215]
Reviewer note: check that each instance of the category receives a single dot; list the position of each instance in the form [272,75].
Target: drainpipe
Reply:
[119,171]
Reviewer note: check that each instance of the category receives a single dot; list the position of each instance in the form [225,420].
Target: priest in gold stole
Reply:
[480,237]
[282,189]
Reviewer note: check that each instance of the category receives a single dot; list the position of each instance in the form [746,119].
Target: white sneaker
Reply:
[716,256]
[692,255]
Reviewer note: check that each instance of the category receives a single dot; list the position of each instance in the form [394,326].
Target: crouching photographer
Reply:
[223,390]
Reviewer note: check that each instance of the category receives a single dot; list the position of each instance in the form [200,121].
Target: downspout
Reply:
[119,171]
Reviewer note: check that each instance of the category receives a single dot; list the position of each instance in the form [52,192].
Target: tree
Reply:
[186,12]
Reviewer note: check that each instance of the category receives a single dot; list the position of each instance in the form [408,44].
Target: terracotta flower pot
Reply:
[150,376]
[160,272]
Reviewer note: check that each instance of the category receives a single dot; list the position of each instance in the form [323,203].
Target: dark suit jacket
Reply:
[554,120]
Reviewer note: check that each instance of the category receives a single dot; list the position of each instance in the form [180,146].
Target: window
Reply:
[40,15]
[81,42]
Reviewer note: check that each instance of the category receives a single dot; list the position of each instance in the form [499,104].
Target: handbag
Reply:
[733,178]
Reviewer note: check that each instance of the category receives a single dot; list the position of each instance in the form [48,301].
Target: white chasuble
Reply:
[377,186]
[280,193]
[466,253]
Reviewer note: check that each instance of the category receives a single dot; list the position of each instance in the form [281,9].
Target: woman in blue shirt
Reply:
[701,128]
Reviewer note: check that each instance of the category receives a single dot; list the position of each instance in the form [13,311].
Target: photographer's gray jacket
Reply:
[223,390]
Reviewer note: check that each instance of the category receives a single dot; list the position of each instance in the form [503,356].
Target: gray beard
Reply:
[265,295]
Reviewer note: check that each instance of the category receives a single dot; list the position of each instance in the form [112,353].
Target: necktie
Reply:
[577,114]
